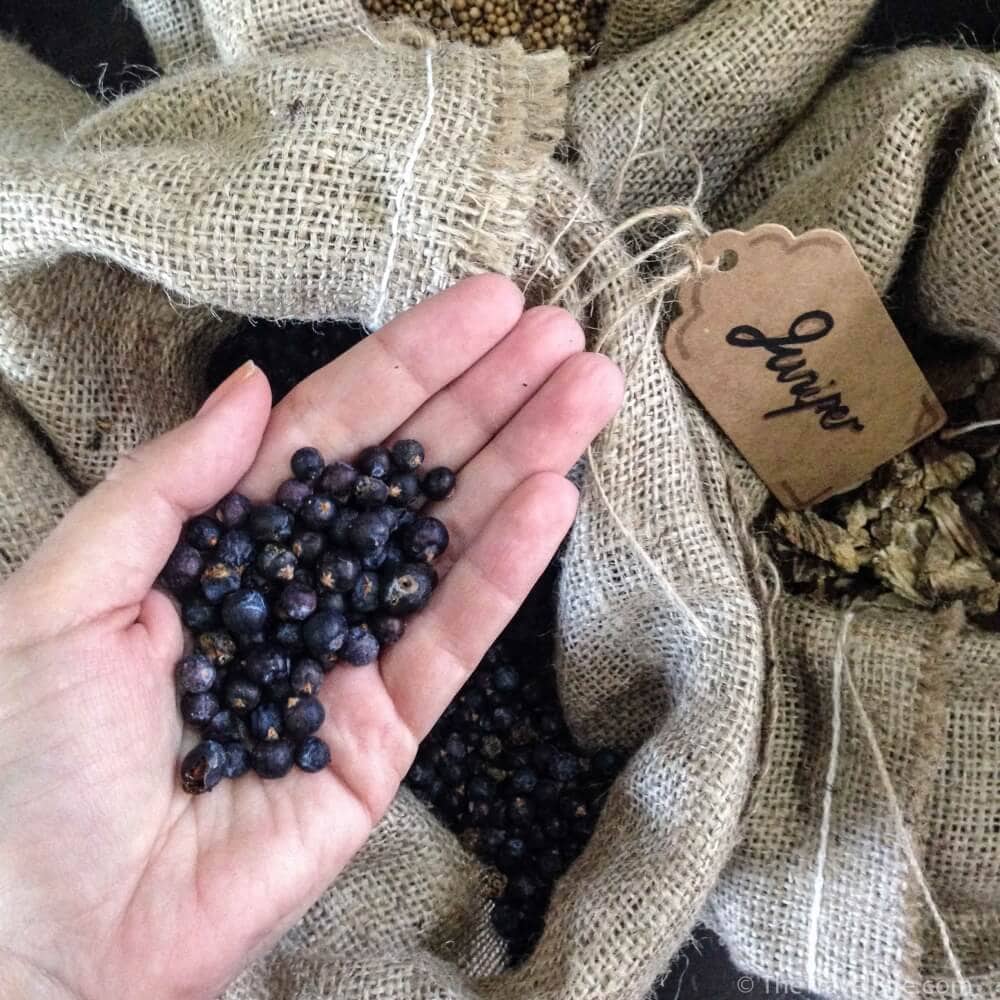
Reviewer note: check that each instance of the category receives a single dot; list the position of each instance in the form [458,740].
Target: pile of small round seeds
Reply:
[537,24]
[276,594]
[502,769]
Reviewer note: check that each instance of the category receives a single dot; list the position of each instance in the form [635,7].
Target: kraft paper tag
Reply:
[789,348]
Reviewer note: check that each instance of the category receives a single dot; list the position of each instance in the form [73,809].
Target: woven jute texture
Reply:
[930,691]
[296,161]
[716,91]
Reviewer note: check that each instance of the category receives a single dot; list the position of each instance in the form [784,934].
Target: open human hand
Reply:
[113,882]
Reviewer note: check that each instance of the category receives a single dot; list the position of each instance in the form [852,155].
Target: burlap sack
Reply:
[869,158]
[872,160]
[851,918]
[714,92]
[295,161]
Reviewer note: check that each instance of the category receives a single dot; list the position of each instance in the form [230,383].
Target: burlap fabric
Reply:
[929,689]
[717,89]
[295,161]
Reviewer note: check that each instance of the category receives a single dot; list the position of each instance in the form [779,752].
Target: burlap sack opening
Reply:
[273,172]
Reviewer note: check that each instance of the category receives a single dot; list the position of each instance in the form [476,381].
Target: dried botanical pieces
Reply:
[925,529]
[826,539]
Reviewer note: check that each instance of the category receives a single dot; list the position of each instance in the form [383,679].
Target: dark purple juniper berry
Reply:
[306,676]
[439,483]
[203,533]
[307,464]
[292,494]
[183,568]
[203,768]
[244,611]
[272,758]
[407,455]
[195,674]
[275,562]
[338,570]
[303,715]
[235,549]
[374,461]
[424,540]
[370,492]
[360,647]
[296,602]
[337,480]
[233,510]
[407,588]
[312,754]
[270,523]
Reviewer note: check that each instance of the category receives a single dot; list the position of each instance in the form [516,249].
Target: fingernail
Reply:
[244,373]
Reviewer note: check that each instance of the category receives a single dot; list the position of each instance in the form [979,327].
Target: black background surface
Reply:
[98,44]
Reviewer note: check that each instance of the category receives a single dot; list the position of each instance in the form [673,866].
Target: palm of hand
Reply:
[120,884]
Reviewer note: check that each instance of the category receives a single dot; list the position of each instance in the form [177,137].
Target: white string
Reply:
[904,835]
[841,672]
[680,212]
[551,248]
[405,183]
[668,588]
[371,38]
[812,942]
[619,186]
[950,433]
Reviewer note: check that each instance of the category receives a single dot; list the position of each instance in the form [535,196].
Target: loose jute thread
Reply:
[661,287]
[682,242]
[907,840]
[839,656]
[672,593]
[841,674]
[406,180]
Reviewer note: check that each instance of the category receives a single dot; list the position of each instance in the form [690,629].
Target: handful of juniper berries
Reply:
[276,594]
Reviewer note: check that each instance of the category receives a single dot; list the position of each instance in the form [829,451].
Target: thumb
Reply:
[106,553]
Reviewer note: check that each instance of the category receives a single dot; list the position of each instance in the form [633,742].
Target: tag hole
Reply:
[728,259]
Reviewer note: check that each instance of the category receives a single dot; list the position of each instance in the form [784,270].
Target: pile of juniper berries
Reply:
[277,594]
[503,741]
[502,770]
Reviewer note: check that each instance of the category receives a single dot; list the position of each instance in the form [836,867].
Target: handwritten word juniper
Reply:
[788,360]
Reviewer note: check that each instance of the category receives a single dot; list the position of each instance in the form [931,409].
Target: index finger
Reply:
[363,396]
